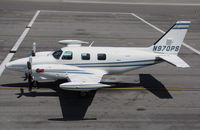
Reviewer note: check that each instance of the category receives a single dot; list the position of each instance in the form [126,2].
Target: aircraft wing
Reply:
[84,81]
[174,60]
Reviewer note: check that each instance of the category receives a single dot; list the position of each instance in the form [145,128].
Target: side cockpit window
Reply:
[67,55]
[101,56]
[57,54]
[85,56]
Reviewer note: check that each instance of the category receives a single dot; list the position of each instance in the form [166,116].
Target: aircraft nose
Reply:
[18,65]
[9,65]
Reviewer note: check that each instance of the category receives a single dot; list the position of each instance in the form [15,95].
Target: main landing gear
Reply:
[83,94]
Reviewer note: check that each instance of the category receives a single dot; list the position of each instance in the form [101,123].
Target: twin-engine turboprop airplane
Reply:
[84,66]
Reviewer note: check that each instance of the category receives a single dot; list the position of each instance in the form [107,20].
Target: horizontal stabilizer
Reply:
[174,60]
[82,86]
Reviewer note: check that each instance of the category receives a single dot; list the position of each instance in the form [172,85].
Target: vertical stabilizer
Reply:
[171,41]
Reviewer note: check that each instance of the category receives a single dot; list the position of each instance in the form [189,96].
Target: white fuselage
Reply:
[117,60]
[111,60]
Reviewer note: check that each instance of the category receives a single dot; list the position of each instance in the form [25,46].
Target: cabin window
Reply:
[85,56]
[57,54]
[101,56]
[67,55]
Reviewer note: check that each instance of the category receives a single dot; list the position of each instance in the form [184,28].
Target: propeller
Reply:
[29,74]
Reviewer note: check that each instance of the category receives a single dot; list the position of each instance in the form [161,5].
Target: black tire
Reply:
[36,84]
[30,83]
[28,65]
[83,94]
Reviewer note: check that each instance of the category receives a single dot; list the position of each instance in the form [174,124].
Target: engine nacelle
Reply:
[53,71]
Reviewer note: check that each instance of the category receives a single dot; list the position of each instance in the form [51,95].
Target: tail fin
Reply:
[171,41]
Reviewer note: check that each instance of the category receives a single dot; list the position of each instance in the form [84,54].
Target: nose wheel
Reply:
[32,84]
[35,84]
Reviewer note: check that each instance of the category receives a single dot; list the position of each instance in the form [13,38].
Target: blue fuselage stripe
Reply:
[182,23]
[180,28]
[117,65]
[113,62]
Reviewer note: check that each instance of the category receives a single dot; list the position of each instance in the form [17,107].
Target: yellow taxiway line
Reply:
[136,88]
[159,89]
[13,87]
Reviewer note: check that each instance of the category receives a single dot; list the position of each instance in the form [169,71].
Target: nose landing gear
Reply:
[35,84]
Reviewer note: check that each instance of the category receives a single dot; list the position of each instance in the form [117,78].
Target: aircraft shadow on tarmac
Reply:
[74,107]
[154,86]
[148,82]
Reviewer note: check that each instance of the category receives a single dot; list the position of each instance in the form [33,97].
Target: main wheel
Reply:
[35,84]
[83,94]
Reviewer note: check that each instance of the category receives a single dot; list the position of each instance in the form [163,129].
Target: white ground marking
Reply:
[28,27]
[195,50]
[133,3]
[82,12]
[147,23]
[184,44]
[17,44]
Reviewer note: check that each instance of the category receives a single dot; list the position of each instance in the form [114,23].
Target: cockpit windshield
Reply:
[57,54]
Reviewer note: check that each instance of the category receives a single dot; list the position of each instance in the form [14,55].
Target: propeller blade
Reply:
[30,60]
[30,78]
[34,49]
[30,84]
[29,66]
